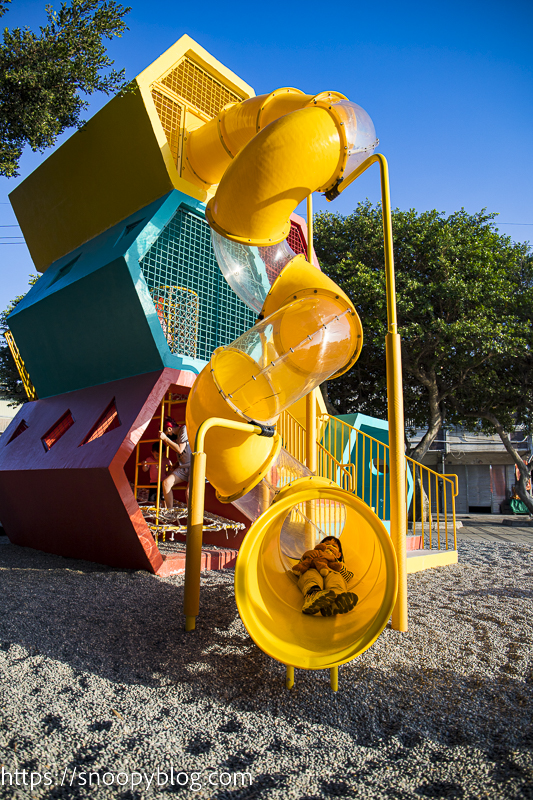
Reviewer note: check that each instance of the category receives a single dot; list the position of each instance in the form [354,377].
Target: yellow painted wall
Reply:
[118,163]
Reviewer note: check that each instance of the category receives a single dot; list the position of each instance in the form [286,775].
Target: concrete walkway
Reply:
[491,528]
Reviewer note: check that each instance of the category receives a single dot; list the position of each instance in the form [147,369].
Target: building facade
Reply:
[485,470]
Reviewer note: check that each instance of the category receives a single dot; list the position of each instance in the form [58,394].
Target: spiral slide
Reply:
[267,154]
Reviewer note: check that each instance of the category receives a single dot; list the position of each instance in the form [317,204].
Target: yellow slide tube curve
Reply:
[211,147]
[295,155]
[270,603]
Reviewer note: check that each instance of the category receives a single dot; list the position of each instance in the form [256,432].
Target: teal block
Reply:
[91,319]
[373,485]
[94,330]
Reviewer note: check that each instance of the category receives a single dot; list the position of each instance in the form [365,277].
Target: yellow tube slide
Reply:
[211,147]
[292,157]
[269,153]
[268,598]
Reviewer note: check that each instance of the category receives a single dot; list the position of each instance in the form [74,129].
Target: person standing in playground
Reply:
[152,464]
[326,593]
[175,436]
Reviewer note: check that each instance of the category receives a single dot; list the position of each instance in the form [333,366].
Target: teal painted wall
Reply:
[373,485]
[91,319]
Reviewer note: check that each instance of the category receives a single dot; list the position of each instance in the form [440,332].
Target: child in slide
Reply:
[325,588]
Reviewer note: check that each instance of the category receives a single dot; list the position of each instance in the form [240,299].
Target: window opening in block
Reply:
[21,427]
[64,271]
[107,421]
[54,434]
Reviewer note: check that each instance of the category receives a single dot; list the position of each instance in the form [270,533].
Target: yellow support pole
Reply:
[310,228]
[157,499]
[195,517]
[310,400]
[310,461]
[289,678]
[310,431]
[334,678]
[137,465]
[193,552]
[398,510]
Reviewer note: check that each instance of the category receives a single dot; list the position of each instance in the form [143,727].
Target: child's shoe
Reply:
[316,601]
[345,602]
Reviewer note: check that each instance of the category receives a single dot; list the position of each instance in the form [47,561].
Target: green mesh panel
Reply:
[182,255]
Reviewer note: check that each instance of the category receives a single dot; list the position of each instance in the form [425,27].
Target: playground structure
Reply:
[122,334]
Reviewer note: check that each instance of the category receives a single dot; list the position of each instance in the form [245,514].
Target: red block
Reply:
[73,499]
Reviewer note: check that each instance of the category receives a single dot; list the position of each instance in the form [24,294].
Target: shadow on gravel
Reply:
[127,627]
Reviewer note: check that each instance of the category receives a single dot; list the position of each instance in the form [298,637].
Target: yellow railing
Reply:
[359,463]
[432,513]
[19,363]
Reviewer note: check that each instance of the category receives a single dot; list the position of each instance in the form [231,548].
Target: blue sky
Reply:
[449,86]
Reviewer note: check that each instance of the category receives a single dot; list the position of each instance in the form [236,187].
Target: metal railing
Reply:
[359,463]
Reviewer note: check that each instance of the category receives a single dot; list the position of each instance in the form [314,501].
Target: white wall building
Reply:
[6,414]
[485,470]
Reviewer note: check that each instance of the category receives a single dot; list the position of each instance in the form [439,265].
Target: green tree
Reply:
[42,75]
[465,304]
[11,386]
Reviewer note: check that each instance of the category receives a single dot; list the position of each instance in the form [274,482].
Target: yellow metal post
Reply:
[334,678]
[310,401]
[289,678]
[310,431]
[310,461]
[157,499]
[193,553]
[310,228]
[398,511]
[195,517]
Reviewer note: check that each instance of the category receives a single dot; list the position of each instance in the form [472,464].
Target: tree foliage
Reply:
[42,75]
[465,305]
[11,386]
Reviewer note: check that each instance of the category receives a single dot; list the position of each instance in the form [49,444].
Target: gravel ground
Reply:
[100,683]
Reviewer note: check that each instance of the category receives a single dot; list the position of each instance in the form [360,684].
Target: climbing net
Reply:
[175,520]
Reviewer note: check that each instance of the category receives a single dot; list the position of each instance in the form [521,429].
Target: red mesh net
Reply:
[272,269]
[105,423]
[56,431]
[296,240]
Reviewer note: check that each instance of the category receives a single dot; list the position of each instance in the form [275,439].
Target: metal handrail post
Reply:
[195,517]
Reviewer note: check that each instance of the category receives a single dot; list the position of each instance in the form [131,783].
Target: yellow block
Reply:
[128,155]
[418,560]
[270,603]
